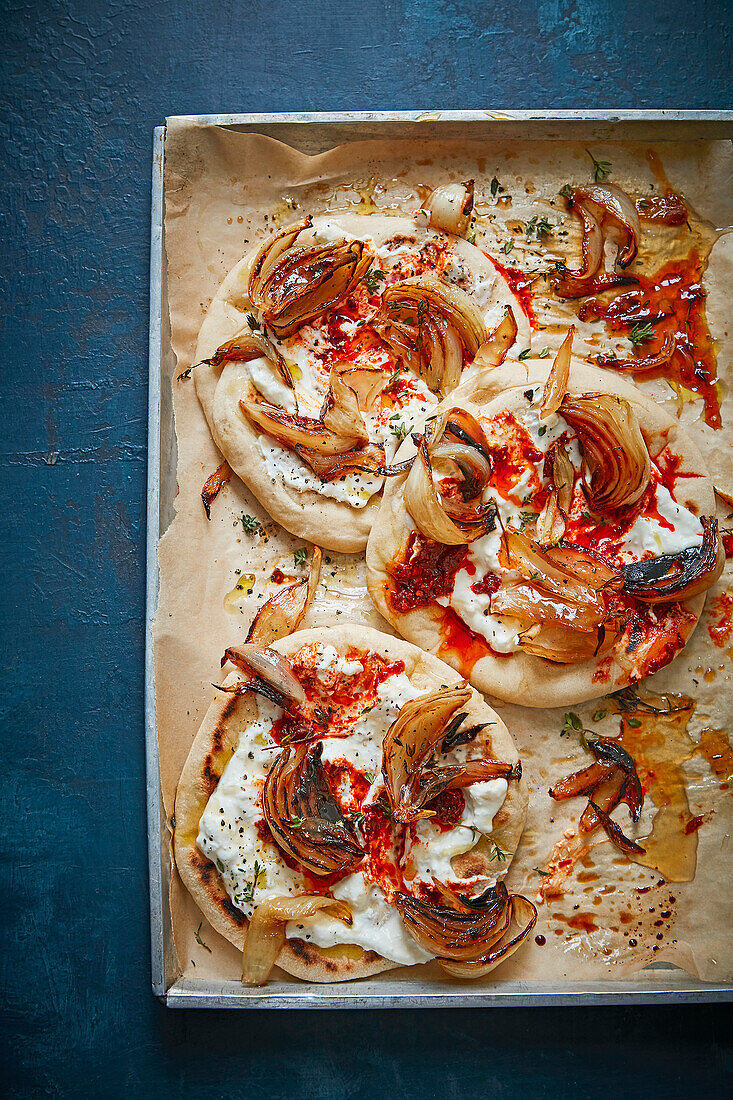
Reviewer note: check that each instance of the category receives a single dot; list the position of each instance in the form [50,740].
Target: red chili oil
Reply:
[519,284]
[426,571]
[460,642]
[448,809]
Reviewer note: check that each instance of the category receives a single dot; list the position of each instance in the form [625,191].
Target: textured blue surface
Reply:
[83,84]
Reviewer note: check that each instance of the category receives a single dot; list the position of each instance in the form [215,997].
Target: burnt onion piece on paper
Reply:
[283,613]
[678,576]
[304,817]
[454,446]
[468,937]
[293,283]
[411,774]
[213,486]
[265,936]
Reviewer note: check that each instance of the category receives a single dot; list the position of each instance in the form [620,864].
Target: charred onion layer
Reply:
[678,576]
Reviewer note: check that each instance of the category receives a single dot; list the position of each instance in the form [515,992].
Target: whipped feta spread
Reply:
[671,529]
[252,869]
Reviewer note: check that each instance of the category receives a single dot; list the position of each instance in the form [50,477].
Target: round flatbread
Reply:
[487,650]
[213,843]
[338,514]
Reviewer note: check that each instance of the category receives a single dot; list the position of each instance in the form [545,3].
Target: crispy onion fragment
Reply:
[495,347]
[432,326]
[266,933]
[678,576]
[612,779]
[469,940]
[648,362]
[248,345]
[284,612]
[213,486]
[424,727]
[292,284]
[617,206]
[591,247]
[557,380]
[454,444]
[270,666]
[450,207]
[304,817]
[616,463]
[302,431]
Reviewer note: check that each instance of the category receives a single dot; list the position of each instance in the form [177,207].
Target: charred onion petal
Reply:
[610,752]
[304,817]
[433,781]
[618,206]
[455,736]
[265,935]
[259,687]
[450,207]
[366,382]
[633,795]
[523,913]
[463,426]
[248,345]
[557,380]
[628,847]
[268,665]
[213,486]
[678,576]
[582,782]
[292,285]
[284,612]
[453,933]
[293,431]
[495,347]
[607,795]
[432,325]
[369,459]
[564,646]
[616,463]
[579,288]
[592,245]
[341,413]
[649,362]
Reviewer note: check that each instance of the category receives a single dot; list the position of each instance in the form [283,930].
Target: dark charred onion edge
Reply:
[304,817]
[628,847]
[567,287]
[678,576]
[369,459]
[260,687]
[213,486]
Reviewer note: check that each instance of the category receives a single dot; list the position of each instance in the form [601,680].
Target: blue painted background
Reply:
[83,83]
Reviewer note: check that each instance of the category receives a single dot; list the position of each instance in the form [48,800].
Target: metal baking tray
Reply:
[313,133]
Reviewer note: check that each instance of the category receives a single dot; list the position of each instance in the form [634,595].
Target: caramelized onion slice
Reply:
[648,362]
[565,646]
[450,207]
[628,847]
[584,781]
[300,431]
[248,345]
[292,285]
[678,576]
[616,205]
[341,413]
[304,817]
[557,380]
[283,613]
[524,915]
[670,208]
[369,459]
[568,287]
[432,325]
[266,933]
[495,347]
[591,247]
[213,486]
[616,463]
[270,666]
[452,933]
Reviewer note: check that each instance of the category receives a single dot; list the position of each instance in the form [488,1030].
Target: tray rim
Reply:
[657,985]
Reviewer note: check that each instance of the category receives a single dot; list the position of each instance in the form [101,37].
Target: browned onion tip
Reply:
[302,431]
[557,380]
[291,285]
[678,576]
[616,462]
[628,847]
[283,613]
[454,443]
[304,817]
[495,347]
[431,325]
[270,666]
[248,345]
[582,782]
[591,247]
[617,206]
[649,362]
[213,486]
[265,935]
[727,498]
[450,207]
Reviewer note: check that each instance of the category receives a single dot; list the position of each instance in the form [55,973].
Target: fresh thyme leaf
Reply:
[259,879]
[494,187]
[540,227]
[422,309]
[220,866]
[400,429]
[544,353]
[640,333]
[542,429]
[252,321]
[382,804]
[367,709]
[571,725]
[539,871]
[497,853]
[185,374]
[369,776]
[634,722]
[356,816]
[508,246]
[527,517]
[599,715]
[373,278]
[294,822]
[197,935]
[601,168]
[300,556]
[524,354]
[566,191]
[250,524]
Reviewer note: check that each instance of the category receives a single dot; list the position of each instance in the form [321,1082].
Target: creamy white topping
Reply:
[355,489]
[266,381]
[649,535]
